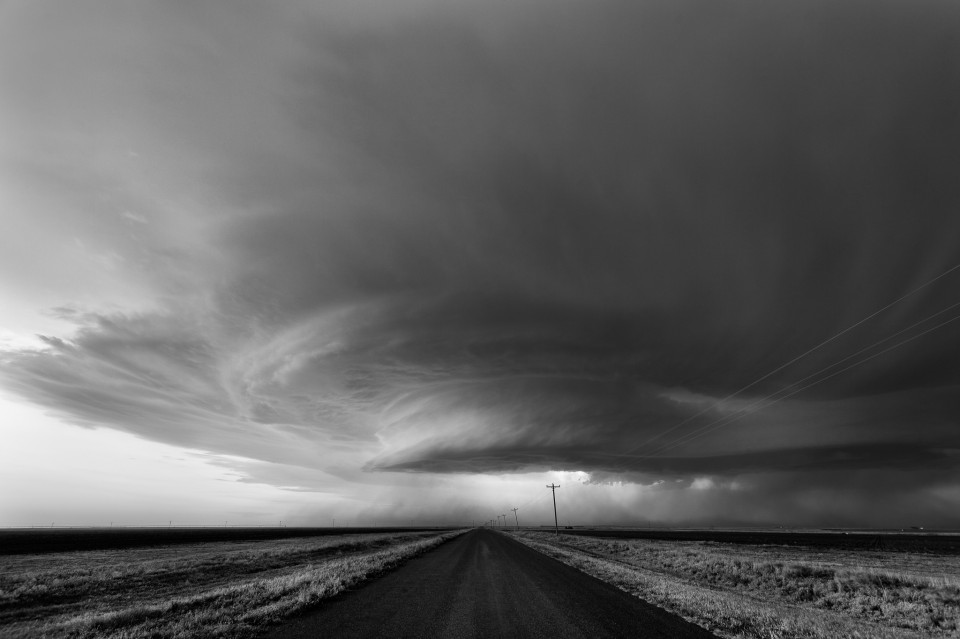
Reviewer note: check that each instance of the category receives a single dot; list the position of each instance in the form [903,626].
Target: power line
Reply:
[811,376]
[871,346]
[797,358]
[724,421]
[533,500]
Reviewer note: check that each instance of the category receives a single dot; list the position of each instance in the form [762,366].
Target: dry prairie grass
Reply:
[204,590]
[776,592]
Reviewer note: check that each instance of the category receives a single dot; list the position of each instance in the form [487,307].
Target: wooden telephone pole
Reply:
[556,526]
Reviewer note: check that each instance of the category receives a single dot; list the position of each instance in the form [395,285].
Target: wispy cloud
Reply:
[495,239]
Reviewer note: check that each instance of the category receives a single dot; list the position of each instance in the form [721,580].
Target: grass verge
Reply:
[773,592]
[205,590]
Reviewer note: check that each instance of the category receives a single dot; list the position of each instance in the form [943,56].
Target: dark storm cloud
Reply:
[498,238]
[717,173]
[579,204]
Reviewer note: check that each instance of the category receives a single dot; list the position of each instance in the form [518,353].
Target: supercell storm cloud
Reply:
[483,238]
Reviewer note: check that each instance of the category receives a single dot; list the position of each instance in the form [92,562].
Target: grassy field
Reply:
[227,589]
[776,592]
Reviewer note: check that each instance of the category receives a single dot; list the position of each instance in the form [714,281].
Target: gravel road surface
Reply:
[485,584]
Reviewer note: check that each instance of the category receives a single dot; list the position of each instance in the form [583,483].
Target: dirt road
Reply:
[485,584]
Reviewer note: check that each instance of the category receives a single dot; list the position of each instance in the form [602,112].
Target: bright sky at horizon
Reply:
[412,261]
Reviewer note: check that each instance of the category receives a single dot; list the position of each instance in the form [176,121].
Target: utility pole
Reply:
[515,517]
[556,526]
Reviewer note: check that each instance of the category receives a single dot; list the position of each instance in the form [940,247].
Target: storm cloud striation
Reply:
[487,238]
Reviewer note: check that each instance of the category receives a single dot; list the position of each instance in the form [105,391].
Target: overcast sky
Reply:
[413,260]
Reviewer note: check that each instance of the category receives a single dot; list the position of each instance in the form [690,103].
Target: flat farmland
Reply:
[167,585]
[15,541]
[231,582]
[778,584]
[940,543]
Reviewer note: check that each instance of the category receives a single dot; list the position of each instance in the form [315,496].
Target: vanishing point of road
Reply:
[485,584]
